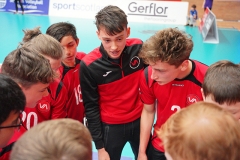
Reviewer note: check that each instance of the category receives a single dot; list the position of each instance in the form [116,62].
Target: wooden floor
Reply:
[228,24]
[227,12]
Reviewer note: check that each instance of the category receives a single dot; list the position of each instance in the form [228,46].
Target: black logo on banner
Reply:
[150,10]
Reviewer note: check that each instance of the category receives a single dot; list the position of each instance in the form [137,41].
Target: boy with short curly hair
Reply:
[172,79]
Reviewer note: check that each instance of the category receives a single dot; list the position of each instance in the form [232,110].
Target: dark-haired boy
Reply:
[109,77]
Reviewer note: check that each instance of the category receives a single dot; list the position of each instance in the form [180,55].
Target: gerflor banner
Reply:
[30,6]
[164,12]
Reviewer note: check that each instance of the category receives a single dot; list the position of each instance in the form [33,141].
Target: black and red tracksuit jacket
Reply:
[110,90]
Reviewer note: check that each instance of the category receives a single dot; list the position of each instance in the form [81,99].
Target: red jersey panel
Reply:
[173,96]
[70,78]
[49,107]
[113,106]
[52,106]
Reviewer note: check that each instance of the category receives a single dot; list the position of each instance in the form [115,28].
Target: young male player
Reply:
[12,103]
[65,33]
[109,77]
[33,73]
[172,79]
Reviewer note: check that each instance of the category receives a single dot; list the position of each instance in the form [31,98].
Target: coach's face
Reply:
[113,44]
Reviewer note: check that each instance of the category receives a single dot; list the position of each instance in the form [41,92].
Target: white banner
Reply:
[163,12]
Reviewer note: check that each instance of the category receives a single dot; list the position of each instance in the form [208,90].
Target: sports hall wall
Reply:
[227,10]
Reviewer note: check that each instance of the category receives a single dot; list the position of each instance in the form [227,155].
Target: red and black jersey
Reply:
[111,90]
[70,78]
[172,96]
[52,106]
[49,107]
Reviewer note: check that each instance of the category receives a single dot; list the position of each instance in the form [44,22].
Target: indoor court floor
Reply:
[12,25]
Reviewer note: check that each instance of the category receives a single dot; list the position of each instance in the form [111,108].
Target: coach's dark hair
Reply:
[112,19]
[11,97]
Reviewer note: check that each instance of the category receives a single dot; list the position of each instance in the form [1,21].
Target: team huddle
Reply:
[59,99]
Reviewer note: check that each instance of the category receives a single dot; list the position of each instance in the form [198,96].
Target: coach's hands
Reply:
[142,156]
[103,154]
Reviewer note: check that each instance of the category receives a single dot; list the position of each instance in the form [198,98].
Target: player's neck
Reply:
[69,64]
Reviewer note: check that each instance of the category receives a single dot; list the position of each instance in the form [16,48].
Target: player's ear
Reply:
[77,41]
[184,65]
[204,98]
[98,34]
[128,31]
